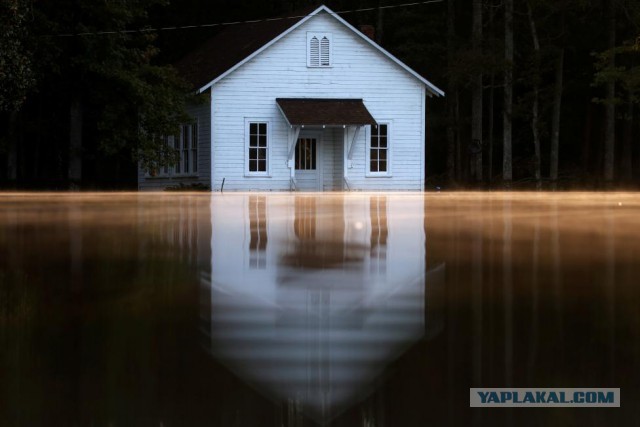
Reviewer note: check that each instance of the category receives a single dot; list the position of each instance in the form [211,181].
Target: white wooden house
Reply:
[308,104]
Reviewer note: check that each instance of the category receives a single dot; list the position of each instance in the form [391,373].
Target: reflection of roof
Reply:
[318,112]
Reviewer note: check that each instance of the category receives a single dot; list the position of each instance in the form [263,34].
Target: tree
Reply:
[115,99]
[476,91]
[507,113]
[16,74]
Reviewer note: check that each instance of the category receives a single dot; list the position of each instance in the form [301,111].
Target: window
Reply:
[186,145]
[257,148]
[306,154]
[318,49]
[379,150]
[194,148]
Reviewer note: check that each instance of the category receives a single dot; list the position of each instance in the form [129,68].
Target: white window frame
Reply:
[170,171]
[247,134]
[319,36]
[388,172]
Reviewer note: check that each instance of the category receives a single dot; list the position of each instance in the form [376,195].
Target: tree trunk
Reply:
[12,154]
[626,166]
[75,142]
[476,93]
[491,102]
[555,121]
[610,136]
[451,135]
[507,174]
[536,96]
[457,128]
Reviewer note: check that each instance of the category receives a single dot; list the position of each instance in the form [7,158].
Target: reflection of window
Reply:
[379,150]
[306,154]
[379,233]
[258,232]
[304,224]
[258,146]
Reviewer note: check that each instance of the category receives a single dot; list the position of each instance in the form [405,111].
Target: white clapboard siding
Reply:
[357,70]
[202,114]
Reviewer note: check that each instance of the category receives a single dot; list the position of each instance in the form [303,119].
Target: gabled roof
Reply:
[238,44]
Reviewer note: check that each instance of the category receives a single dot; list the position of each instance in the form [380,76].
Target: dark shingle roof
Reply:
[232,45]
[329,112]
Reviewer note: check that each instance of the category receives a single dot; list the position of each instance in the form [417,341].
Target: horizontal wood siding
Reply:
[358,71]
[201,113]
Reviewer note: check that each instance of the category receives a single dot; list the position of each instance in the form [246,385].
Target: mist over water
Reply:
[338,309]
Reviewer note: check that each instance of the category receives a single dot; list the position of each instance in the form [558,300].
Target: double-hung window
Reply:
[257,148]
[378,151]
[186,145]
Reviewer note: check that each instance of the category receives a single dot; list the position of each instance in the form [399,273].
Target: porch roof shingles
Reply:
[325,112]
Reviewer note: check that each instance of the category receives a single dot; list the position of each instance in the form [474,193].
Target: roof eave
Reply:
[431,88]
[262,49]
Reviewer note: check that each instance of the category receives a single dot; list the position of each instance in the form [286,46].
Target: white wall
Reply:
[358,71]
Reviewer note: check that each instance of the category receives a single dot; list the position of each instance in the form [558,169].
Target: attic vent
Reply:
[318,50]
[314,52]
[324,52]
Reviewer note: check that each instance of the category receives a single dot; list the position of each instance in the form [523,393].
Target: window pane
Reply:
[194,160]
[253,165]
[253,128]
[262,154]
[383,130]
[373,166]
[374,155]
[185,158]
[262,165]
[382,166]
[194,135]
[253,153]
[382,154]
[262,127]
[262,140]
[253,140]
[383,141]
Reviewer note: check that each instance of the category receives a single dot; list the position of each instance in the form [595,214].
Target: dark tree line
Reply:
[539,93]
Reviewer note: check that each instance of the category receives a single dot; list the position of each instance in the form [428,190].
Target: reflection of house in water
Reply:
[338,295]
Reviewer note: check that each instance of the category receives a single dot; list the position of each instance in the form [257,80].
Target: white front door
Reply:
[308,164]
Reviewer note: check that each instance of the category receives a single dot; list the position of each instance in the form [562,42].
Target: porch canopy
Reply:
[325,112]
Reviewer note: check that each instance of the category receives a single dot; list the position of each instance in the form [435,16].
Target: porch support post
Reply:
[353,143]
[294,132]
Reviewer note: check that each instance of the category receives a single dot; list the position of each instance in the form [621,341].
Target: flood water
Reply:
[300,310]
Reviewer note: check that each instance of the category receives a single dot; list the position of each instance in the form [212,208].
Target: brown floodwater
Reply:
[343,309]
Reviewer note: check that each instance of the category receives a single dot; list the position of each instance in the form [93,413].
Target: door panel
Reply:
[307,164]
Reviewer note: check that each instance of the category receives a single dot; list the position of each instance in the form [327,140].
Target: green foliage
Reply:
[626,72]
[16,74]
[129,102]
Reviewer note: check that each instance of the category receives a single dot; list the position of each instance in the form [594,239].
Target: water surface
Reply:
[338,309]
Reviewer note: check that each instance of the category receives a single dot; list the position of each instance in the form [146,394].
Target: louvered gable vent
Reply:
[324,52]
[318,49]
